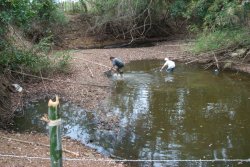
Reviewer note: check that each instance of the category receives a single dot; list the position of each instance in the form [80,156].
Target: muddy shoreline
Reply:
[88,87]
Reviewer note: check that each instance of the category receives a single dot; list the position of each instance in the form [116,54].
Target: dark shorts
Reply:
[120,66]
[119,69]
[170,69]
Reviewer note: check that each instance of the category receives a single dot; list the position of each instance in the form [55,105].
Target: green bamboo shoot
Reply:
[55,134]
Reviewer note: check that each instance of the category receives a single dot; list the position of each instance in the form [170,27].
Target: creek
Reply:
[191,115]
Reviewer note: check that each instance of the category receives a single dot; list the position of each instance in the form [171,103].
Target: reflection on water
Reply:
[190,114]
[169,78]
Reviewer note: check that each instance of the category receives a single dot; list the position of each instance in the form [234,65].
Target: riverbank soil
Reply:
[32,150]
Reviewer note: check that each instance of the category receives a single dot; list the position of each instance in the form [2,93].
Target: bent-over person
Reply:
[117,65]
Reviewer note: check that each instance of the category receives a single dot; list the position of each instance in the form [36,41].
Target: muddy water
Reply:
[190,114]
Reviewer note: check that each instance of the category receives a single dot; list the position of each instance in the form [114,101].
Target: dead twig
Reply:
[57,80]
[194,60]
[43,82]
[92,62]
[208,65]
[245,56]
[216,61]
[160,52]
[35,143]
[89,70]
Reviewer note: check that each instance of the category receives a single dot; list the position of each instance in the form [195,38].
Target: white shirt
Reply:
[170,64]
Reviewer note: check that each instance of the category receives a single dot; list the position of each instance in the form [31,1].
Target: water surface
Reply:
[190,114]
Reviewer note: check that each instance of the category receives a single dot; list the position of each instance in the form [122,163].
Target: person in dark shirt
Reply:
[117,65]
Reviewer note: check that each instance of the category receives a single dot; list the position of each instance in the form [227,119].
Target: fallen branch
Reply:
[92,62]
[208,65]
[43,82]
[35,143]
[79,50]
[245,56]
[160,52]
[57,80]
[194,60]
[216,61]
[89,70]
[13,32]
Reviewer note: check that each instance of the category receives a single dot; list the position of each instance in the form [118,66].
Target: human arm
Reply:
[165,64]
[113,65]
[112,68]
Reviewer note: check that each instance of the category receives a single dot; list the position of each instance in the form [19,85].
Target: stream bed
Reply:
[191,117]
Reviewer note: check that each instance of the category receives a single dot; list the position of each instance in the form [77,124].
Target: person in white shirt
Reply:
[170,65]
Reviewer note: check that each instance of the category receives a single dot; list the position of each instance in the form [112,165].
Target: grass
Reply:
[221,39]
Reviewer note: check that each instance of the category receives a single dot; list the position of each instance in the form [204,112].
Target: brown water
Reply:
[190,117]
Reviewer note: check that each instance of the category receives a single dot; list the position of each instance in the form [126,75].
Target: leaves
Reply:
[218,39]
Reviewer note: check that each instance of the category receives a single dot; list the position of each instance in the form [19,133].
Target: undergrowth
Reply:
[35,22]
[221,39]
[35,60]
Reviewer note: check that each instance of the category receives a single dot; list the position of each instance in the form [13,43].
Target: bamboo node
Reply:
[55,122]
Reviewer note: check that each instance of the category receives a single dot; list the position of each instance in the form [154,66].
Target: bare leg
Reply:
[120,72]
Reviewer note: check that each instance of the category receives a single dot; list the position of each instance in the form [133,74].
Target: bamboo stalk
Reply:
[55,134]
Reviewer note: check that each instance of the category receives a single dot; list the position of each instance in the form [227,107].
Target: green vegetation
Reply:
[38,19]
[221,39]
[218,23]
[222,23]
[217,19]
[34,60]
[73,7]
[218,14]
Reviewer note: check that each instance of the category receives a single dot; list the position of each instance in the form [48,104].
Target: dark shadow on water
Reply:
[131,45]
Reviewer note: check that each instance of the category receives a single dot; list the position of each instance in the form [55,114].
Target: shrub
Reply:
[39,19]
[219,39]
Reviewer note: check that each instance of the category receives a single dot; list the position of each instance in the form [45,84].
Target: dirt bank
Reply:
[86,86]
[32,150]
